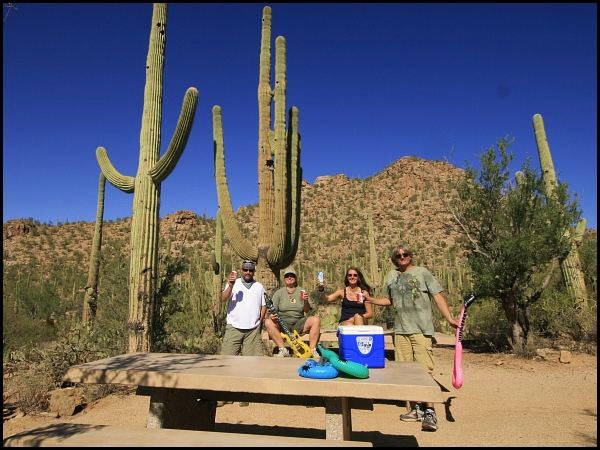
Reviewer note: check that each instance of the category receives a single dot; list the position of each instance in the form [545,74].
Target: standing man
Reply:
[245,312]
[410,289]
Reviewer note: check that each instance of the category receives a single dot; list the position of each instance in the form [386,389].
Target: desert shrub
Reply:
[78,343]
[486,326]
[31,389]
[44,368]
[27,304]
[555,315]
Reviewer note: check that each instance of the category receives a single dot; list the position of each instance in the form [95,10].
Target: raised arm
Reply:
[226,294]
[368,307]
[369,301]
[331,297]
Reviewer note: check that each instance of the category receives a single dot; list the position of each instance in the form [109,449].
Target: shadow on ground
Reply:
[375,437]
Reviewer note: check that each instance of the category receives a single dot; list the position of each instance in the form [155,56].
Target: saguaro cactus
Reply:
[90,299]
[375,274]
[146,184]
[279,171]
[217,276]
[571,265]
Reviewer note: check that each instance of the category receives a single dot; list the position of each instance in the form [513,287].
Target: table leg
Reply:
[338,419]
[179,408]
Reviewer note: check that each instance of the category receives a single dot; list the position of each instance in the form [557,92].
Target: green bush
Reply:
[486,327]
[555,316]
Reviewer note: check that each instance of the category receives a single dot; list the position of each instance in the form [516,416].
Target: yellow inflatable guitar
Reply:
[298,346]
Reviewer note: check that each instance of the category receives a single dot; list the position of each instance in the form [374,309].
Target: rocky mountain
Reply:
[406,200]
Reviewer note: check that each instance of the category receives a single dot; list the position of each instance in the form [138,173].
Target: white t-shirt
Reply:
[243,308]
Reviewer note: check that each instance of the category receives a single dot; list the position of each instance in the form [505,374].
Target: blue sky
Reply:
[373,83]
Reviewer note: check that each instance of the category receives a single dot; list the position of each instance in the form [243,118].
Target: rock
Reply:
[547,354]
[18,227]
[64,402]
[565,356]
[499,362]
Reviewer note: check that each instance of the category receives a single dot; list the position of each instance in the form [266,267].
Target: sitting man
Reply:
[292,303]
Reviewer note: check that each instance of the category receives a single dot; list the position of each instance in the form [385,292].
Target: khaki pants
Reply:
[244,342]
[415,347]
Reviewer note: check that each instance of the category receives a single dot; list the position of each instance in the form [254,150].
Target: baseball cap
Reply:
[290,271]
[248,265]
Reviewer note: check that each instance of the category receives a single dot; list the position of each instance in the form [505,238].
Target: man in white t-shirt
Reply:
[245,312]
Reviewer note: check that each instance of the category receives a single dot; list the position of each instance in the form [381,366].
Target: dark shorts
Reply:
[294,324]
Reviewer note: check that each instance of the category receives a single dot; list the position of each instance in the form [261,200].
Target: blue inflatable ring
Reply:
[349,367]
[313,369]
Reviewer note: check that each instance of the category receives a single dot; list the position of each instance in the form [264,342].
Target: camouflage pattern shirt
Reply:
[411,293]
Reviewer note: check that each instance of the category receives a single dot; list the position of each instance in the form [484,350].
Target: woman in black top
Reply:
[354,310]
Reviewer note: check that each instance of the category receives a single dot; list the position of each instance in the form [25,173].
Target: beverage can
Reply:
[302,294]
[360,297]
[320,277]
[234,272]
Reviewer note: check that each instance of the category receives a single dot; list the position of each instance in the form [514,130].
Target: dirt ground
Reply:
[505,401]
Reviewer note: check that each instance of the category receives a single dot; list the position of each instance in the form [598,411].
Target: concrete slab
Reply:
[254,374]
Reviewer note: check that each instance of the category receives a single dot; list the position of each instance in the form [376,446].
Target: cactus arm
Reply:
[265,153]
[90,301]
[217,254]
[519,177]
[122,182]
[374,270]
[571,265]
[548,173]
[240,244]
[168,161]
[282,157]
[295,172]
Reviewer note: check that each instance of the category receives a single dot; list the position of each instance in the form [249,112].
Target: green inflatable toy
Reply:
[352,368]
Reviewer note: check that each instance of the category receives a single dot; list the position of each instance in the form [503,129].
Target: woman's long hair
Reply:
[361,279]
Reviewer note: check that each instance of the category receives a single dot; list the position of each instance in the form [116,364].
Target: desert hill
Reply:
[405,200]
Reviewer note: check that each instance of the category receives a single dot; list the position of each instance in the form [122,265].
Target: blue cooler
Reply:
[362,344]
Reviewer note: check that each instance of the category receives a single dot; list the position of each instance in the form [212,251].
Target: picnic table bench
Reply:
[184,388]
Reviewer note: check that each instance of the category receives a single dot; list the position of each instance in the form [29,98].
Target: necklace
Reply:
[290,296]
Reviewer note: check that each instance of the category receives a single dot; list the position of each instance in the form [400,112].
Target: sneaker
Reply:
[244,404]
[429,421]
[223,403]
[283,352]
[414,415]
[315,355]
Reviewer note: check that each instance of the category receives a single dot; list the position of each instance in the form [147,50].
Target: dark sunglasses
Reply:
[352,275]
[402,255]
[248,270]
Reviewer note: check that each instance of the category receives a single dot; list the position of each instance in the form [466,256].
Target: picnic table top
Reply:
[255,374]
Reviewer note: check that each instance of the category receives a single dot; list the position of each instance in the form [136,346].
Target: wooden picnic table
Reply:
[184,388]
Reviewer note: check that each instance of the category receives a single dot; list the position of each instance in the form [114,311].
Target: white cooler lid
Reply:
[360,329]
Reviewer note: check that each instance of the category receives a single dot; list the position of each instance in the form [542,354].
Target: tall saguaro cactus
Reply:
[145,186]
[217,276]
[279,171]
[571,265]
[376,275]
[90,299]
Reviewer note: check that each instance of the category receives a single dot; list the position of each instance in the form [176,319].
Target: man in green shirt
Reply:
[410,289]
